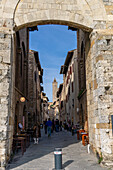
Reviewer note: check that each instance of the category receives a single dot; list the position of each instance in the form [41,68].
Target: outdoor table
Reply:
[79,132]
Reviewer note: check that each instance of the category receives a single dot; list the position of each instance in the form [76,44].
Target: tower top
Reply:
[54,80]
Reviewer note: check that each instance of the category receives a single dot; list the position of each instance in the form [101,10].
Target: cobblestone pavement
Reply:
[40,156]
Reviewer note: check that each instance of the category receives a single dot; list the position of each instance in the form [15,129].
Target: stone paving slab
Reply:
[41,157]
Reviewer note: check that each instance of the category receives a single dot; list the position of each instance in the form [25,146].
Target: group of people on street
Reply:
[67,125]
[37,132]
[49,127]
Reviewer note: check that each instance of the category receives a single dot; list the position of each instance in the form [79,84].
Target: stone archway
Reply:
[74,13]
[92,16]
[86,14]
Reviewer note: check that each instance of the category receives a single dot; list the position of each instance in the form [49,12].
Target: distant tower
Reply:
[55,88]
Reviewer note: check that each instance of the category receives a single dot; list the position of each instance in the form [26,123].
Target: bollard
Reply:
[58,159]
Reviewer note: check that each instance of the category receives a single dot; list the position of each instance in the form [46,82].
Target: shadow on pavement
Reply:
[67,163]
[46,146]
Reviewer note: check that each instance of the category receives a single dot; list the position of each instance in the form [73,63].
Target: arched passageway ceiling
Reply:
[82,14]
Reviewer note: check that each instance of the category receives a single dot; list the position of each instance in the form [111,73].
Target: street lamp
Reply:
[22,99]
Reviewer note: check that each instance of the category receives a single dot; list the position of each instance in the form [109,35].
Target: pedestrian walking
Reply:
[49,126]
[60,125]
[53,125]
[35,133]
[64,124]
[45,126]
[57,125]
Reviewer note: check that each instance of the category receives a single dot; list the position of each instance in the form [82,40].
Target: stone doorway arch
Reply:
[94,17]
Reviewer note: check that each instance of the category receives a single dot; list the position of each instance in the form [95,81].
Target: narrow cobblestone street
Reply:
[41,157]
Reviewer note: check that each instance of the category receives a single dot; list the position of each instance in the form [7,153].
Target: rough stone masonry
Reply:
[95,17]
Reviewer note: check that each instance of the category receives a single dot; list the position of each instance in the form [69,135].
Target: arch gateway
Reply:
[95,17]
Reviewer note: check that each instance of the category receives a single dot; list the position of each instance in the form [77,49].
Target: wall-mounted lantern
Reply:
[22,99]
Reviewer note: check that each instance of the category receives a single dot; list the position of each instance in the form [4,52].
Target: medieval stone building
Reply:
[82,51]
[34,88]
[21,79]
[93,17]
[69,92]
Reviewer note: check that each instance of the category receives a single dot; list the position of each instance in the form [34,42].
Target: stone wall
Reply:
[5,96]
[100,92]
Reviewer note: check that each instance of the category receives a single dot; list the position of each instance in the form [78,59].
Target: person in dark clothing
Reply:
[57,125]
[35,134]
[60,125]
[64,124]
[53,125]
[49,125]
[45,126]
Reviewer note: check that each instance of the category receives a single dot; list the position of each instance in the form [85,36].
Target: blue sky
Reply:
[53,43]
